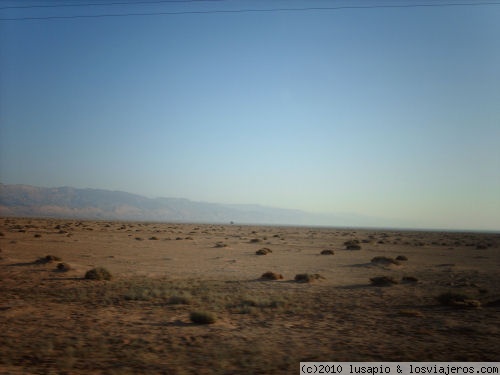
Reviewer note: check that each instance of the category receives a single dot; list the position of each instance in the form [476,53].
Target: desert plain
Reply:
[438,300]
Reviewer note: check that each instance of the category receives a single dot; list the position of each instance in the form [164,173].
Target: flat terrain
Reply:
[57,322]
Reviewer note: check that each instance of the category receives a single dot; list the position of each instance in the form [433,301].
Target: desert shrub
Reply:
[271,276]
[37,235]
[154,238]
[63,267]
[255,240]
[449,298]
[220,244]
[384,260]
[48,259]
[327,252]
[352,245]
[307,277]
[458,300]
[99,273]
[179,300]
[409,279]
[401,257]
[263,251]
[202,317]
[351,242]
[383,281]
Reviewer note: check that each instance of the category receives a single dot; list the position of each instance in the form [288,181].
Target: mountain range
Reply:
[97,204]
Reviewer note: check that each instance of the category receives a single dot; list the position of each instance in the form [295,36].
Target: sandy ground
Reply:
[139,322]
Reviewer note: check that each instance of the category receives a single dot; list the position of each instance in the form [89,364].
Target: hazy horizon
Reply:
[382,112]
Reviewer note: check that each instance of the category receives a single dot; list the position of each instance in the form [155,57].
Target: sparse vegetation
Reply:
[271,276]
[263,251]
[460,300]
[179,300]
[308,277]
[327,252]
[63,267]
[99,273]
[48,259]
[384,260]
[383,281]
[202,317]
[401,258]
[352,245]
[409,279]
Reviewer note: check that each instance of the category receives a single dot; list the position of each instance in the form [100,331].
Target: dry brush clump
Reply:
[308,277]
[459,300]
[327,252]
[63,267]
[352,245]
[409,279]
[384,260]
[263,251]
[383,281]
[202,317]
[179,300]
[48,259]
[271,276]
[99,273]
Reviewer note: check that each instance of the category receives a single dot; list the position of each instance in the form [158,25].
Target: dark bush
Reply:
[48,259]
[202,317]
[263,251]
[383,281]
[271,276]
[307,277]
[327,252]
[99,273]
[384,260]
[63,267]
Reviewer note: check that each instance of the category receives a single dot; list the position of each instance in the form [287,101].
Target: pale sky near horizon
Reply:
[381,111]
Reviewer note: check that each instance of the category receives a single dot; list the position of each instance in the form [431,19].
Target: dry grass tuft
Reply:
[352,245]
[271,276]
[99,273]
[179,300]
[308,277]
[383,281]
[263,251]
[327,252]
[48,259]
[384,260]
[63,267]
[409,279]
[459,300]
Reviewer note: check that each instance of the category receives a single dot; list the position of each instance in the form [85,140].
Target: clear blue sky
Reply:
[386,112]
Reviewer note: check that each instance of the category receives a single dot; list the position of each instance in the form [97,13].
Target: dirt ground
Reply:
[54,321]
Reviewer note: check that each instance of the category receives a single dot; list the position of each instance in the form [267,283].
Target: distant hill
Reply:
[68,202]
[96,204]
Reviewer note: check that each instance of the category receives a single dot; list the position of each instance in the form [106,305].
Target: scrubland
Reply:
[80,297]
